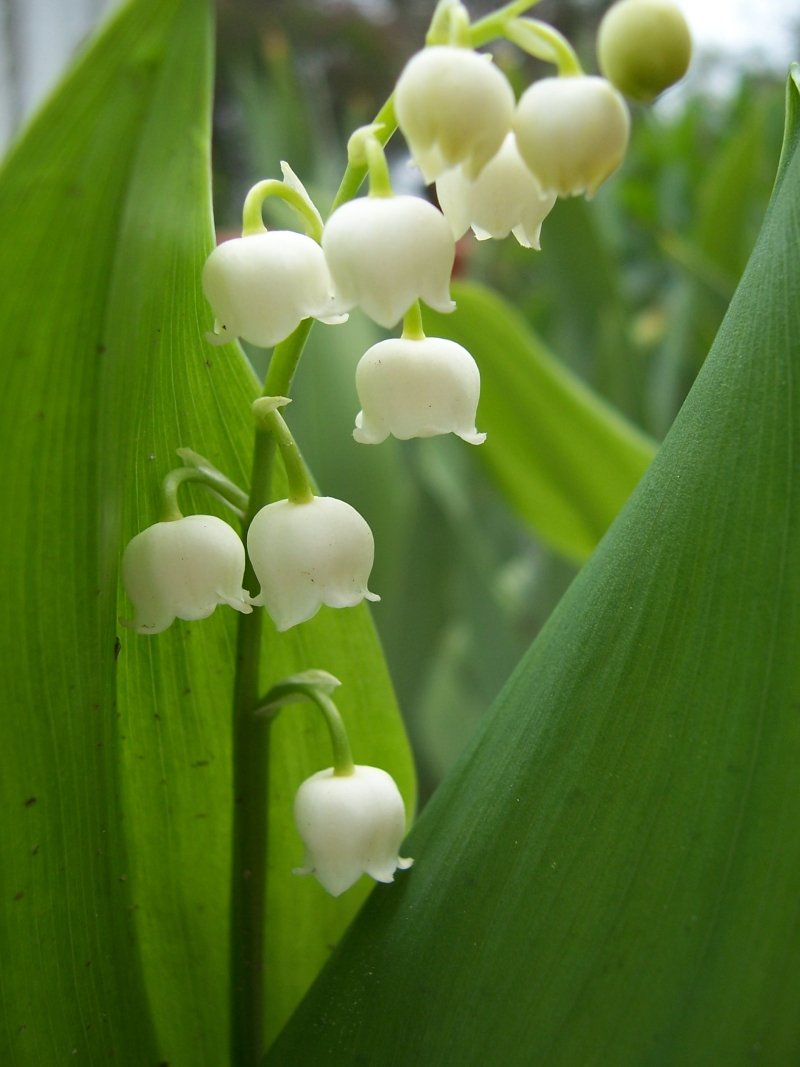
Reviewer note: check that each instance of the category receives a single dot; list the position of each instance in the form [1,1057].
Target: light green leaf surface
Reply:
[116,787]
[611,875]
[565,460]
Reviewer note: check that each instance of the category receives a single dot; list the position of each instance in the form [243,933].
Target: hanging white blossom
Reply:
[453,106]
[572,132]
[182,569]
[261,287]
[350,825]
[417,388]
[504,198]
[309,554]
[385,252]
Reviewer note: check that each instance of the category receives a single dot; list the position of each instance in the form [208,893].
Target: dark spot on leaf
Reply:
[200,763]
[117,647]
[19,895]
[30,802]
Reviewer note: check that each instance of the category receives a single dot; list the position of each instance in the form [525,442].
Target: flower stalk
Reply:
[251,741]
[198,469]
[252,220]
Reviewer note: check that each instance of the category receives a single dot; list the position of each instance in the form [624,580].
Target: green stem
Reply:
[356,172]
[251,738]
[248,883]
[412,323]
[252,221]
[490,27]
[380,183]
[267,415]
[542,41]
[342,756]
[284,360]
[449,25]
[206,475]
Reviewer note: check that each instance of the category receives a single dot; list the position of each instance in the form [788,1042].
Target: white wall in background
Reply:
[37,41]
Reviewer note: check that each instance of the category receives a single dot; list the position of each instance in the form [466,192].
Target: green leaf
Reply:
[116,791]
[563,457]
[612,872]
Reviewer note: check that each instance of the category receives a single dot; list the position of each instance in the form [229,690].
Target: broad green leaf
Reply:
[612,872]
[563,458]
[116,792]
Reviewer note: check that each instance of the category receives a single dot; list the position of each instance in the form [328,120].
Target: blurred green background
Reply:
[628,292]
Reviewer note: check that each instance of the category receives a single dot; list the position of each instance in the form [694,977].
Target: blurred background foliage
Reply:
[628,291]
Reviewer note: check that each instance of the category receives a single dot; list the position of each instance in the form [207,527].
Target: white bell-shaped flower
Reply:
[261,287]
[309,554]
[572,132]
[385,252]
[182,569]
[453,106]
[417,388]
[350,825]
[505,198]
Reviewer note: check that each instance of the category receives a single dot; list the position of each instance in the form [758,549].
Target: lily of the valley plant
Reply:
[499,165]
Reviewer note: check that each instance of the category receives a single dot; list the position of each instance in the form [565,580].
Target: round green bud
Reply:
[643,47]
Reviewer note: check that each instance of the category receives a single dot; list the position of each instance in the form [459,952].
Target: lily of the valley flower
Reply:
[504,198]
[308,554]
[643,47]
[182,569]
[453,106]
[262,286]
[350,825]
[385,252]
[417,388]
[572,132]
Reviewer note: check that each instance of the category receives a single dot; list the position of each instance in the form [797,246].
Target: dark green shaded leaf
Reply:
[612,872]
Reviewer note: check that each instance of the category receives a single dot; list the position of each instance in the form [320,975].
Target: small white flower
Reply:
[504,198]
[261,287]
[453,106]
[183,569]
[417,388]
[386,252]
[572,132]
[309,554]
[350,825]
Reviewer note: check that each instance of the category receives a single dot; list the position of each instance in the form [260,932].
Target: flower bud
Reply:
[309,554]
[417,388]
[453,106]
[504,198]
[183,569]
[643,47]
[350,825]
[386,252]
[261,287]
[572,132]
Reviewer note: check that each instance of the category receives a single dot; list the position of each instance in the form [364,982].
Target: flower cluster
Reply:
[499,165]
